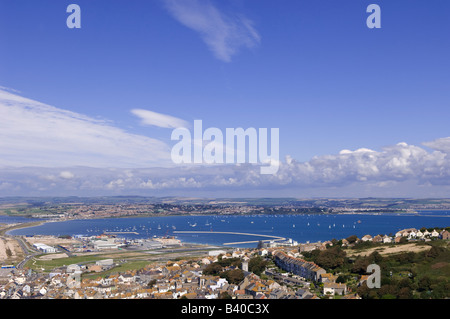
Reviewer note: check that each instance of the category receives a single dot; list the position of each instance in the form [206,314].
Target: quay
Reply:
[120,232]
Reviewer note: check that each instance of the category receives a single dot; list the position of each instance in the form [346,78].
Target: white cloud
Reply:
[440,144]
[398,170]
[157,119]
[66,175]
[36,134]
[223,34]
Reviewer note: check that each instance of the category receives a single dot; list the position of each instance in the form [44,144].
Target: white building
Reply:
[105,262]
[434,233]
[105,244]
[216,253]
[387,239]
[44,248]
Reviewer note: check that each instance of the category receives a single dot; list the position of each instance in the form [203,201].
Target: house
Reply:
[18,294]
[377,239]
[445,235]
[387,239]
[366,238]
[218,284]
[149,275]
[73,268]
[334,288]
[297,266]
[26,289]
[277,294]
[264,252]
[43,291]
[206,261]
[215,253]
[406,232]
[327,278]
[127,278]
[95,268]
[303,294]
[434,233]
[105,263]
[171,270]
[255,288]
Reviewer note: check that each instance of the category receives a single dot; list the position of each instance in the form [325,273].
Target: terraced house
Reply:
[297,266]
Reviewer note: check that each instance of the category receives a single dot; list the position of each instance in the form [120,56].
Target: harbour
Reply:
[234,230]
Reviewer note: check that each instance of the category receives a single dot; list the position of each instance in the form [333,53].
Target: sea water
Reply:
[301,228]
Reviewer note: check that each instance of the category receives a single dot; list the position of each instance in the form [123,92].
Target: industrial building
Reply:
[44,248]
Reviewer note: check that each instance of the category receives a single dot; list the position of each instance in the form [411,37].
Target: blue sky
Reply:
[310,68]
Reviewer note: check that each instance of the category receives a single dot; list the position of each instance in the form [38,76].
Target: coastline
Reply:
[283,228]
[4,231]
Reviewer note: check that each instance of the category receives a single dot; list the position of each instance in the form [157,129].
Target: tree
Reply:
[234,276]
[360,265]
[331,258]
[257,265]
[424,283]
[213,269]
[341,279]
[363,291]
[405,293]
[375,257]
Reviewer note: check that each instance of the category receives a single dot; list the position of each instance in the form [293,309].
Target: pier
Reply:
[272,238]
[120,232]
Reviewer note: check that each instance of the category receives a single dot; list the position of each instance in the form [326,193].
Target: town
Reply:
[110,267]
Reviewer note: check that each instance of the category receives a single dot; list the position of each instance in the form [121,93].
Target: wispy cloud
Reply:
[224,34]
[36,134]
[157,119]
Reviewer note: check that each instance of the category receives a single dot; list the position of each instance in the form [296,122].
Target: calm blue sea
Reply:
[302,228]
